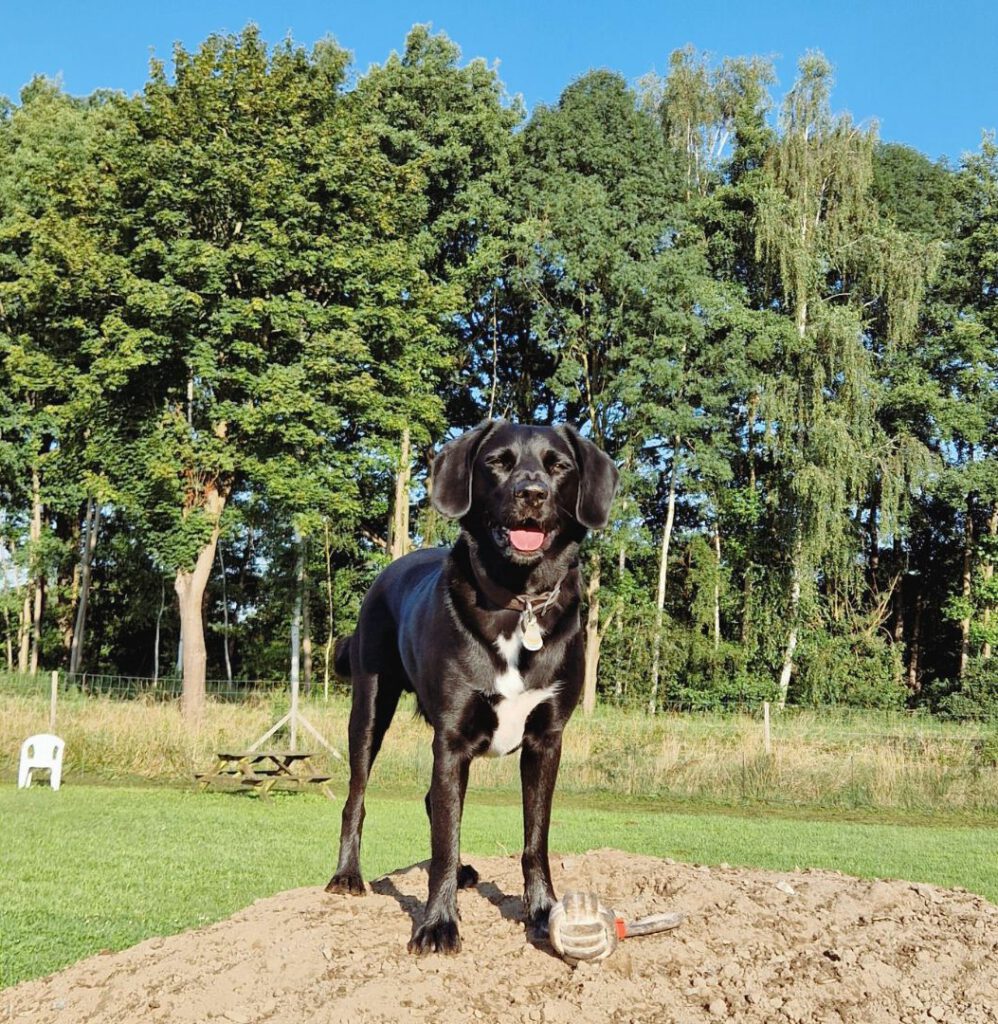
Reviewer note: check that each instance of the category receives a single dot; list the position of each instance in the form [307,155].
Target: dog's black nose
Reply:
[531,492]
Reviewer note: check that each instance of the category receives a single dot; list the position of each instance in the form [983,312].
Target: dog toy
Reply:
[581,928]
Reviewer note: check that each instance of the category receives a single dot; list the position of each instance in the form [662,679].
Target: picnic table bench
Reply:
[263,770]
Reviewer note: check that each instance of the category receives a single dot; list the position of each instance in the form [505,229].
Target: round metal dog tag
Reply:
[532,639]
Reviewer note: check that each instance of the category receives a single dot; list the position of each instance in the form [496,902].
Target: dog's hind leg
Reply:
[467,876]
[375,699]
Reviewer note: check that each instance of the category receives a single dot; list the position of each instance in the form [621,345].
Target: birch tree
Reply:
[817,230]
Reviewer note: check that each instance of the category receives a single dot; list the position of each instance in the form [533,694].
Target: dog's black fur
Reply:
[430,624]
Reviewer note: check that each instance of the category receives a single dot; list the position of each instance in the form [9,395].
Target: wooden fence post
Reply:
[768,739]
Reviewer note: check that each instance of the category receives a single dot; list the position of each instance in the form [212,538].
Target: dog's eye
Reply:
[500,461]
[555,464]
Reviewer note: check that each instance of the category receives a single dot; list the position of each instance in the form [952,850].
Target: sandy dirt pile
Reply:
[756,946]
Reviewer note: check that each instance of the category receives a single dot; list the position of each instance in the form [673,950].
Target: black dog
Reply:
[487,636]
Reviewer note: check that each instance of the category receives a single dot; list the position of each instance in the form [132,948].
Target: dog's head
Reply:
[524,489]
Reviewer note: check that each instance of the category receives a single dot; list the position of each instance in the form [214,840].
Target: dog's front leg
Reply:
[539,762]
[439,932]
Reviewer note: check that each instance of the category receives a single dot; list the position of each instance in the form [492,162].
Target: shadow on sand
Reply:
[510,907]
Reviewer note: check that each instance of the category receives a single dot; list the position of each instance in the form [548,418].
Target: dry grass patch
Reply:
[851,760]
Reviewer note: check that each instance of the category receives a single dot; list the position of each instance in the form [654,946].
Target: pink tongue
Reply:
[526,540]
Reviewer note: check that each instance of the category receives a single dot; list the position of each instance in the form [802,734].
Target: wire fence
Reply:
[132,727]
[829,720]
[163,688]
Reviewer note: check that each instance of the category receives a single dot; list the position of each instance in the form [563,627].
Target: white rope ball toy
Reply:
[582,929]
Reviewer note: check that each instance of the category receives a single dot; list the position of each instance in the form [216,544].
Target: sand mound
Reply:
[756,946]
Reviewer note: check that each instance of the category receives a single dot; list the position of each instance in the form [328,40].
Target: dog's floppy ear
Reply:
[597,480]
[452,470]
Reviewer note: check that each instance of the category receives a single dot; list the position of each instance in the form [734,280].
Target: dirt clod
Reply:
[843,950]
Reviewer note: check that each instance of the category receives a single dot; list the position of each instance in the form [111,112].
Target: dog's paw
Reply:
[346,884]
[537,923]
[436,937]
[467,877]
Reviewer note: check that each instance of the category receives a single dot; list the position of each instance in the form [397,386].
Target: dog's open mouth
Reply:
[525,539]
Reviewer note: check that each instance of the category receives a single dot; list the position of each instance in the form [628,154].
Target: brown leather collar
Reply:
[507,600]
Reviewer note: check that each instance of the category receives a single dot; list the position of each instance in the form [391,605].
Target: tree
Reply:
[605,292]
[818,232]
[57,275]
[260,226]
[963,358]
[446,133]
[697,383]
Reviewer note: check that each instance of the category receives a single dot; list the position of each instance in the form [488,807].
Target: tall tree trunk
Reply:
[915,647]
[431,518]
[399,540]
[873,532]
[6,579]
[786,672]
[897,633]
[793,612]
[618,612]
[68,615]
[225,617]
[753,405]
[24,632]
[159,620]
[190,586]
[593,637]
[9,637]
[663,572]
[966,580]
[988,573]
[330,624]
[717,587]
[898,626]
[495,361]
[36,536]
[306,624]
[296,611]
[91,527]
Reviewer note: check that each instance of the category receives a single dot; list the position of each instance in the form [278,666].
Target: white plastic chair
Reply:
[41,751]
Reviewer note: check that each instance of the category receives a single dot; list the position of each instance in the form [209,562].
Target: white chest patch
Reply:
[517,701]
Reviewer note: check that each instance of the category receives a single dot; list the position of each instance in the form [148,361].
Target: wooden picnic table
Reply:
[264,770]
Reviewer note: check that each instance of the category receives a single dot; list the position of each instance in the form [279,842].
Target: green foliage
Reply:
[256,259]
[974,697]
[857,669]
[913,192]
[225,301]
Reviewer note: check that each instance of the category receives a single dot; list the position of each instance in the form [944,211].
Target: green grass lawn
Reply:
[91,867]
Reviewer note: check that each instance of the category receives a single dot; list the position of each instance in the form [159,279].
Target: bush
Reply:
[974,697]
[856,669]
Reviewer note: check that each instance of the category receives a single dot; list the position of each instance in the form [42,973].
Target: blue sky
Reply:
[927,72]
